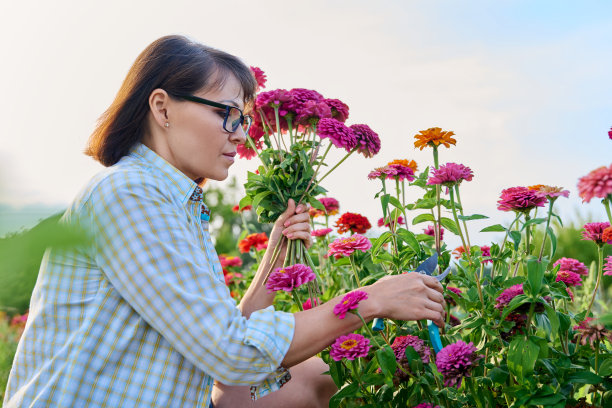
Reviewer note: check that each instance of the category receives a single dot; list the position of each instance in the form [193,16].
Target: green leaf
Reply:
[515,236]
[472,217]
[260,197]
[246,200]
[553,241]
[384,201]
[349,390]
[514,303]
[422,218]
[380,241]
[410,239]
[426,204]
[533,221]
[585,377]
[494,228]
[414,359]
[373,379]
[605,369]
[449,225]
[522,355]
[547,400]
[498,376]
[554,320]
[315,203]
[386,361]
[535,274]
[396,203]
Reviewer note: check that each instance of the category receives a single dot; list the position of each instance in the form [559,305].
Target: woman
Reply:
[142,317]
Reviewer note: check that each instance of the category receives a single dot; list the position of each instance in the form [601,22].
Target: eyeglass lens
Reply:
[235,119]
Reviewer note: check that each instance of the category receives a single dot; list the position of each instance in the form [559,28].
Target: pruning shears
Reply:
[427,267]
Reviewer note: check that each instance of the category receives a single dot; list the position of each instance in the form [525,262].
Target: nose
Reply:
[239,136]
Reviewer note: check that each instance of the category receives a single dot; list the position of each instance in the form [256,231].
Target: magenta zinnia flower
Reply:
[401,173]
[593,231]
[368,142]
[299,96]
[381,222]
[572,265]
[321,232]
[346,246]
[338,133]
[289,278]
[455,361]
[350,301]
[507,295]
[486,252]
[339,109]
[312,111]
[608,266]
[598,183]
[450,174]
[430,231]
[308,303]
[520,199]
[569,278]
[350,347]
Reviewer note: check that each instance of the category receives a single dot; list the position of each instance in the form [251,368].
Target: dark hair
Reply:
[175,64]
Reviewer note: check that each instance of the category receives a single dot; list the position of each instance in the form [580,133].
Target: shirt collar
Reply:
[182,185]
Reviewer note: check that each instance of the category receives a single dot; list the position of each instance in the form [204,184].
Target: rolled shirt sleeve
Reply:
[150,249]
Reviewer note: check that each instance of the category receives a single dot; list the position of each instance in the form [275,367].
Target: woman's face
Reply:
[196,142]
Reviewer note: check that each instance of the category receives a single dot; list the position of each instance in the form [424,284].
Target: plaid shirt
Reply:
[141,318]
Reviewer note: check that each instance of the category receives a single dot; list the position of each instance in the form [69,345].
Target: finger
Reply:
[434,316]
[433,283]
[437,307]
[435,296]
[301,227]
[297,218]
[288,212]
[302,208]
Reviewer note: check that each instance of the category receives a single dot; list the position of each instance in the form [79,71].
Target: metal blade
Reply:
[429,265]
[443,274]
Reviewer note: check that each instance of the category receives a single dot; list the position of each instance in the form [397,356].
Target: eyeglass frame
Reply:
[227,108]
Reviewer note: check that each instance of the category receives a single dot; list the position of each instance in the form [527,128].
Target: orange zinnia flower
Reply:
[434,137]
[406,163]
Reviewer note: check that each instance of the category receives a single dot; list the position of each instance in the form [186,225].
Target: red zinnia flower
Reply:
[606,236]
[353,222]
[260,77]
[598,183]
[246,151]
[236,208]
[460,250]
[256,241]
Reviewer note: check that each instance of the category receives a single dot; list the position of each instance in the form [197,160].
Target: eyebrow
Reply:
[230,102]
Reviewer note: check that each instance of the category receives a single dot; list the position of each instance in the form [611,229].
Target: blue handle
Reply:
[434,336]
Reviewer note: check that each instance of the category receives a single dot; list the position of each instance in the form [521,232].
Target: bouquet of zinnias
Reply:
[292,134]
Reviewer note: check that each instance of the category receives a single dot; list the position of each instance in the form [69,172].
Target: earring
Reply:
[167,124]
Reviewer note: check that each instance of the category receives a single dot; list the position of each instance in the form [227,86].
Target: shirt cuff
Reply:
[280,377]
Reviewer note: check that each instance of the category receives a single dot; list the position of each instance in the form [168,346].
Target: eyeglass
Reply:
[233,116]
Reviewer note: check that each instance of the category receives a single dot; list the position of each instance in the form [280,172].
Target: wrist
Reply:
[371,307]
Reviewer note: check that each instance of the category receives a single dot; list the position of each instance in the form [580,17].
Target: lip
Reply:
[230,154]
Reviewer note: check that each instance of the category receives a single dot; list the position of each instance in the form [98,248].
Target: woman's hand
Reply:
[294,223]
[410,296]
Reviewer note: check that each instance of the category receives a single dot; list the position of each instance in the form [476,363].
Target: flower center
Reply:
[348,344]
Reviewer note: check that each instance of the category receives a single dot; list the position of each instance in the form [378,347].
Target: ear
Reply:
[158,103]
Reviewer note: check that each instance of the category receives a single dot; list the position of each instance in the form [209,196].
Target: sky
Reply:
[524,85]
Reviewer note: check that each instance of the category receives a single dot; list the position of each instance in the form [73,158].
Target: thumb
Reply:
[288,212]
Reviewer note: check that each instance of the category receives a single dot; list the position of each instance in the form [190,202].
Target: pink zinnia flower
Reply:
[270,99]
[381,222]
[289,278]
[350,347]
[321,232]
[570,293]
[507,295]
[331,205]
[593,231]
[382,172]
[346,246]
[569,278]
[299,96]
[350,301]
[572,265]
[610,133]
[339,109]
[450,174]
[308,303]
[486,252]
[589,331]
[608,266]
[260,77]
[449,299]
[455,361]
[598,183]
[430,231]
[246,151]
[520,199]
[338,133]
[368,142]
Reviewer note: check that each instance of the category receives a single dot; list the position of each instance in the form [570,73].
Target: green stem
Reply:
[437,223]
[527,235]
[501,248]
[404,203]
[278,129]
[467,248]
[252,143]
[356,371]
[355,270]
[367,327]
[606,202]
[467,235]
[550,207]
[337,164]
[470,380]
[599,273]
[296,299]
